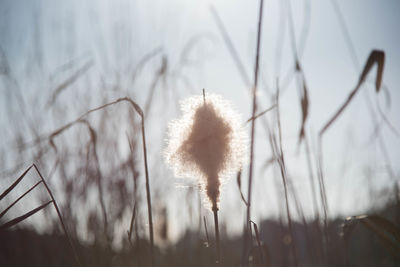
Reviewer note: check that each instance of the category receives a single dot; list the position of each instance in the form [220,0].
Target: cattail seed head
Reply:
[207,143]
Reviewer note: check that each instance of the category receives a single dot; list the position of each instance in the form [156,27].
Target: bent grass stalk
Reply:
[148,195]
[59,214]
[32,212]
[93,141]
[376,57]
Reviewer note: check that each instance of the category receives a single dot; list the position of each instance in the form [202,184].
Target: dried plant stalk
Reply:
[148,195]
[253,129]
[376,57]
[32,212]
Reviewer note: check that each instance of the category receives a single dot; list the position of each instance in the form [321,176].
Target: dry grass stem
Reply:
[69,81]
[253,129]
[148,195]
[32,212]
[217,242]
[18,199]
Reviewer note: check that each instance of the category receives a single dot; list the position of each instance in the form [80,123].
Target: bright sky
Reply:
[118,33]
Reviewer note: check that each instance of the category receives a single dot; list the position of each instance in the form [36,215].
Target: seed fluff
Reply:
[206,143]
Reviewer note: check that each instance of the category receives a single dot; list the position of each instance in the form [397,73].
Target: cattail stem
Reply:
[217,245]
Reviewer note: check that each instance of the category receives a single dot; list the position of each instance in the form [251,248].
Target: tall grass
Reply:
[205,148]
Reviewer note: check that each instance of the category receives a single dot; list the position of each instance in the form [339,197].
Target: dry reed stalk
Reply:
[100,189]
[136,203]
[302,85]
[252,136]
[217,243]
[313,194]
[13,185]
[93,141]
[131,224]
[322,189]
[239,183]
[69,81]
[18,199]
[281,163]
[261,113]
[311,175]
[304,102]
[67,66]
[32,212]
[144,61]
[356,64]
[258,242]
[158,75]
[346,34]
[235,56]
[23,217]
[376,57]
[148,195]
[15,88]
[230,46]
[246,79]
[135,200]
[59,215]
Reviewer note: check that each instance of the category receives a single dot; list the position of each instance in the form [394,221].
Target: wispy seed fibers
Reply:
[207,142]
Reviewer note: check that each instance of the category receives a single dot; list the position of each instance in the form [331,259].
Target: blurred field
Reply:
[88,91]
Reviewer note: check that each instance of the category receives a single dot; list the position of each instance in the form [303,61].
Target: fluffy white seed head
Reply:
[207,143]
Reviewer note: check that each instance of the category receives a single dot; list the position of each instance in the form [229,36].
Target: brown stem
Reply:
[254,109]
[140,113]
[258,242]
[148,194]
[281,163]
[217,245]
[18,199]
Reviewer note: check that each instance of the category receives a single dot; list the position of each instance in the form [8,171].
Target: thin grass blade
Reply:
[377,57]
[5,193]
[239,183]
[18,199]
[261,113]
[23,217]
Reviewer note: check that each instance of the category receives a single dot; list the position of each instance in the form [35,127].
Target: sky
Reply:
[115,34]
